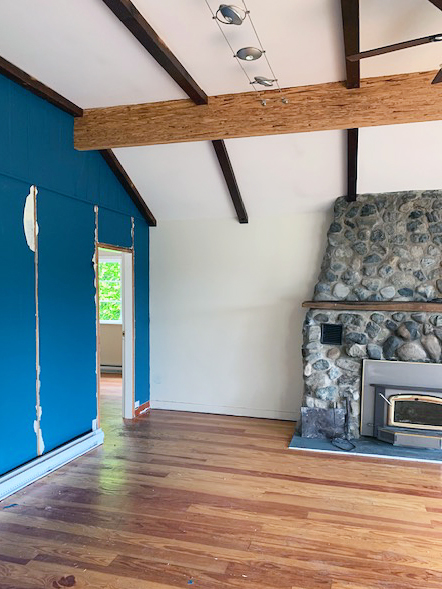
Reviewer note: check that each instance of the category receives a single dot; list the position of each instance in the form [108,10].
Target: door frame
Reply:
[128,328]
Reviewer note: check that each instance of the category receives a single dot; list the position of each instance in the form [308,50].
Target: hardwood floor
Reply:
[182,499]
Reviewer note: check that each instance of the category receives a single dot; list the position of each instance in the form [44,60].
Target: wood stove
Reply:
[409,418]
[415,412]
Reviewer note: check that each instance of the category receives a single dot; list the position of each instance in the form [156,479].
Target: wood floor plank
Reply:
[178,499]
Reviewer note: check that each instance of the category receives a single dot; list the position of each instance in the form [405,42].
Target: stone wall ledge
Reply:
[429,307]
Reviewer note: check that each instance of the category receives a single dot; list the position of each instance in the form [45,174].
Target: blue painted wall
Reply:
[36,147]
[17,342]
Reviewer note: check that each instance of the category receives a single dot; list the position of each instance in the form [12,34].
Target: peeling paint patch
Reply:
[39,434]
[30,225]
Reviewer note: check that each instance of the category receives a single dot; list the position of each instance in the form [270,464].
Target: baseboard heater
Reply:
[111,368]
[36,469]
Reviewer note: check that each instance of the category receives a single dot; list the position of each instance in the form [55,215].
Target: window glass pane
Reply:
[110,311]
[110,291]
[109,280]
[109,271]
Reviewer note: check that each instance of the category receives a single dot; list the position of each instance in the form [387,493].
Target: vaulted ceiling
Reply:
[81,50]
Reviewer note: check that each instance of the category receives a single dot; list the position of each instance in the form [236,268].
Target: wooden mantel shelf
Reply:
[431,307]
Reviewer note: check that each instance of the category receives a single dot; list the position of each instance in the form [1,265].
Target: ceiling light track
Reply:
[233,15]
[275,79]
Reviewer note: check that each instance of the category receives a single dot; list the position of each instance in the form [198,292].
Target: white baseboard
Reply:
[40,467]
[224,410]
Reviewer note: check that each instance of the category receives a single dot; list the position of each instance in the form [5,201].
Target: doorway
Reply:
[115,332]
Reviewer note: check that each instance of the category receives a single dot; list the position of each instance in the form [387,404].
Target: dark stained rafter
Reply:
[350,22]
[226,167]
[134,21]
[437,3]
[41,90]
[121,175]
[352,163]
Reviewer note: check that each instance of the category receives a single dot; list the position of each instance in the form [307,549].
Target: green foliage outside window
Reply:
[109,280]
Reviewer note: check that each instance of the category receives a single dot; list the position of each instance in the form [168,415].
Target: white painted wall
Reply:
[111,344]
[226,317]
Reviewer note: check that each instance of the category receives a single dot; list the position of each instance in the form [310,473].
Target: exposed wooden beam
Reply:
[127,13]
[350,26]
[17,75]
[352,163]
[386,100]
[226,167]
[437,3]
[121,175]
[26,81]
[134,21]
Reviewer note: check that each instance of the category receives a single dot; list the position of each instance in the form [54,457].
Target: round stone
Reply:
[388,292]
[411,352]
[408,330]
[321,365]
[308,369]
[348,365]
[432,346]
[355,337]
[357,351]
[329,393]
[390,346]
[335,227]
[377,317]
[374,352]
[398,317]
[341,291]
[333,353]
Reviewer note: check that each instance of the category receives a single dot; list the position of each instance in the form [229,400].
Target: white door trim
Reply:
[128,334]
[125,255]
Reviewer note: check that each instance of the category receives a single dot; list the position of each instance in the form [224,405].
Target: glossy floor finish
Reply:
[192,500]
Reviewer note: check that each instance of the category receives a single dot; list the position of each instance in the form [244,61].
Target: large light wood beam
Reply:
[386,100]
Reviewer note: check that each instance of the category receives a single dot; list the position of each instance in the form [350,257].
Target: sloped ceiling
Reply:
[80,49]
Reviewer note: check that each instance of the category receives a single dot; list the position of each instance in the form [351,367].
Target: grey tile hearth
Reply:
[367,447]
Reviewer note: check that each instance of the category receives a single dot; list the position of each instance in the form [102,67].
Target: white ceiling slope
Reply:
[179,180]
[80,49]
[302,38]
[384,22]
[284,174]
[400,157]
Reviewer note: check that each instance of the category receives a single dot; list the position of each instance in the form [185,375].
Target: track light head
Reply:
[263,81]
[249,53]
[230,15]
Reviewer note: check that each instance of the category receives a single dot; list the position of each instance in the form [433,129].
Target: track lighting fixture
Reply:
[263,81]
[230,15]
[249,53]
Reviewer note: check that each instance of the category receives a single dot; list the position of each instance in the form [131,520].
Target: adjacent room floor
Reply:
[182,499]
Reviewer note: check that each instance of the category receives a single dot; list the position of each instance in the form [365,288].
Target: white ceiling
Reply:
[179,181]
[80,49]
[400,157]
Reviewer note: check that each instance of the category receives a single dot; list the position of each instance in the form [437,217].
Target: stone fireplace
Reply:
[377,296]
